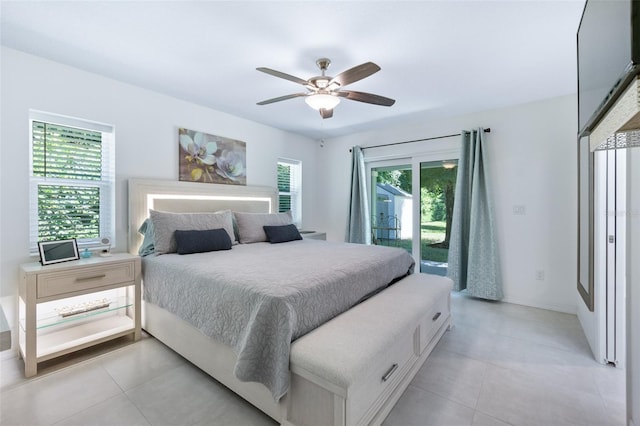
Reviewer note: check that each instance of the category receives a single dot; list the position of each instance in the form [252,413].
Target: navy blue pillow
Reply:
[202,241]
[282,233]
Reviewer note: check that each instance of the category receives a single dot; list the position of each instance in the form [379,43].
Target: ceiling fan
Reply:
[324,92]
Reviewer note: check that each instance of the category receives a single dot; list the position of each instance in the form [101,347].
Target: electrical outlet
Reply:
[540,275]
[519,210]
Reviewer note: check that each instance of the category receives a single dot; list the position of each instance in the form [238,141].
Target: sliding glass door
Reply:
[412,206]
[437,190]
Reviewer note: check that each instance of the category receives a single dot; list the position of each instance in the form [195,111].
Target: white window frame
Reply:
[295,186]
[106,184]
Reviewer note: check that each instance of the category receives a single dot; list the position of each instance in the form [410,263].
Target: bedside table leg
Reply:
[30,343]
[30,367]
[29,357]
[137,318]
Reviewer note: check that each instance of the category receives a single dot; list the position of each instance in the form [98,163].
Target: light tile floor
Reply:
[501,364]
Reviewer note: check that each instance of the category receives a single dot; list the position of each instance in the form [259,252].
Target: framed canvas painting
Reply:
[211,159]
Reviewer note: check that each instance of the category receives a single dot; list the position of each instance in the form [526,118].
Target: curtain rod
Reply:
[487,130]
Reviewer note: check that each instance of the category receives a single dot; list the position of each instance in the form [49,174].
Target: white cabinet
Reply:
[73,305]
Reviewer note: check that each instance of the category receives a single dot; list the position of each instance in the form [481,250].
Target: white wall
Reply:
[532,163]
[146,142]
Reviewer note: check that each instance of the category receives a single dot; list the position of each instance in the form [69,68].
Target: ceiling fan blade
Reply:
[356,73]
[283,75]
[326,113]
[368,98]
[281,98]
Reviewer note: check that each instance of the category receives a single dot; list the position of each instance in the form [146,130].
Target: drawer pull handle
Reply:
[388,374]
[93,277]
[436,316]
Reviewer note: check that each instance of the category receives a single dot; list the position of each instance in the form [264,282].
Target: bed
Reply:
[332,336]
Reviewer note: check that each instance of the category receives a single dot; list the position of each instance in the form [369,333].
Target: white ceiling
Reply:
[438,58]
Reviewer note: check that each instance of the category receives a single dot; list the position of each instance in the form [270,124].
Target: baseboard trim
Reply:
[567,309]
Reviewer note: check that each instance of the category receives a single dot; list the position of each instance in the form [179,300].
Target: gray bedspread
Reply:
[258,298]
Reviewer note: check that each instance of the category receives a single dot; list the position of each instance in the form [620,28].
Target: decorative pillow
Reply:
[202,241]
[282,233]
[236,236]
[165,224]
[146,229]
[250,225]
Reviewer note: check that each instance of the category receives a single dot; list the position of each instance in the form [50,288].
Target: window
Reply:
[289,188]
[72,180]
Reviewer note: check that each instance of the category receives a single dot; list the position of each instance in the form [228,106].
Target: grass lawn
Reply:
[431,233]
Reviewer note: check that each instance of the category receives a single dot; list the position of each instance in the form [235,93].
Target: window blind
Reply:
[72,180]
[66,153]
[289,188]
[284,187]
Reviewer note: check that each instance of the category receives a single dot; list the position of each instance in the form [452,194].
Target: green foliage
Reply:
[439,211]
[284,177]
[437,186]
[398,178]
[435,254]
[437,179]
[68,212]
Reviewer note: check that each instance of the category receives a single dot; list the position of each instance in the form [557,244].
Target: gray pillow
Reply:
[165,224]
[250,225]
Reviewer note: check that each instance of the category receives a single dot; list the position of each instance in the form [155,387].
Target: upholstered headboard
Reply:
[177,196]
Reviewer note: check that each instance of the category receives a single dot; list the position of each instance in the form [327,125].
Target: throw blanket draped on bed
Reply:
[258,298]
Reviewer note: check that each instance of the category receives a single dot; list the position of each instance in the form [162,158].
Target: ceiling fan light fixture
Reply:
[324,92]
[319,101]
[322,82]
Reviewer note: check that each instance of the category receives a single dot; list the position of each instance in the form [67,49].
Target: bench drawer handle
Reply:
[436,316]
[388,374]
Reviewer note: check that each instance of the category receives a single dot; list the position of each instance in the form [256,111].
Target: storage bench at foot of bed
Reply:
[353,369]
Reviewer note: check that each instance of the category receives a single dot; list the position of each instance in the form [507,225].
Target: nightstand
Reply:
[313,235]
[72,305]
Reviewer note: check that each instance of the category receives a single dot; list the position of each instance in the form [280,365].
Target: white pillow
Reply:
[166,223]
[250,225]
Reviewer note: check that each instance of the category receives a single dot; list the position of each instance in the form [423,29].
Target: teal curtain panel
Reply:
[474,264]
[359,221]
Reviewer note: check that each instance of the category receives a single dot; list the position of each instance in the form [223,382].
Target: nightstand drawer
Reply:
[313,235]
[79,279]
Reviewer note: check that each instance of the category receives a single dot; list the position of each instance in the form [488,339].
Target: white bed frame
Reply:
[350,370]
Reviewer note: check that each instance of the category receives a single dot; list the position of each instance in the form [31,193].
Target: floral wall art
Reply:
[212,159]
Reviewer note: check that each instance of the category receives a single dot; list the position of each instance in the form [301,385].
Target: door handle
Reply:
[388,374]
